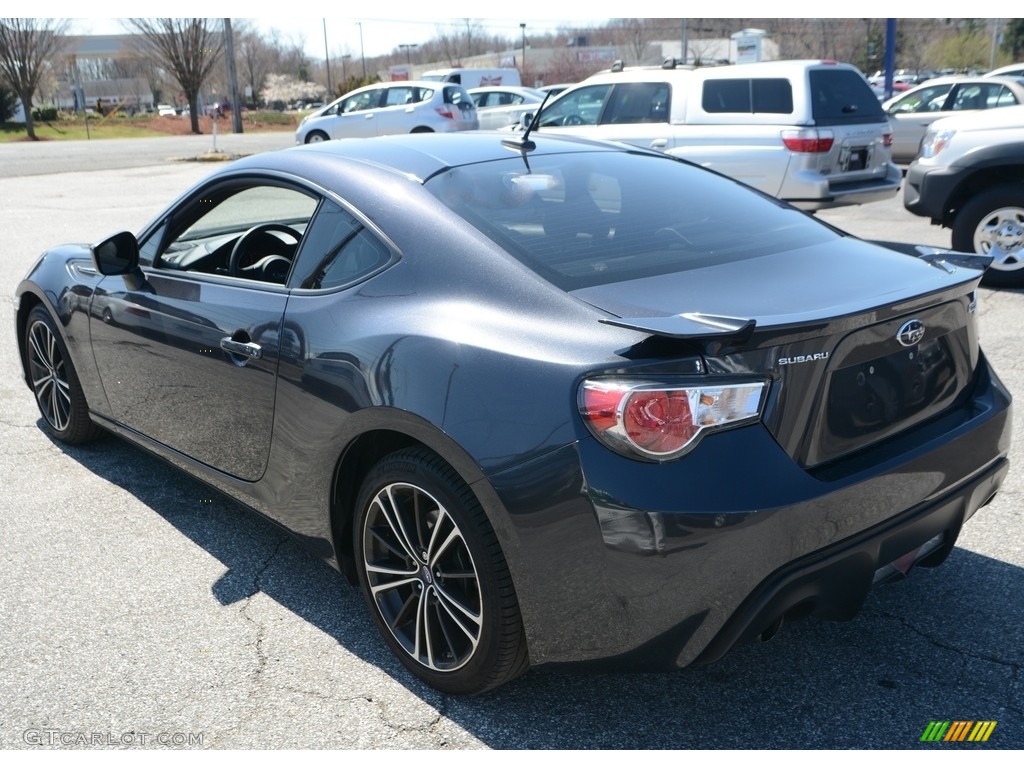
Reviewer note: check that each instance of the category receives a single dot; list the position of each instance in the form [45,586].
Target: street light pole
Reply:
[522,63]
[327,61]
[362,48]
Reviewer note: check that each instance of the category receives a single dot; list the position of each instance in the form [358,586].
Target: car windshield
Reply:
[585,219]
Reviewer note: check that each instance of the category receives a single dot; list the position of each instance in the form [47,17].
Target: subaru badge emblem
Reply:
[910,333]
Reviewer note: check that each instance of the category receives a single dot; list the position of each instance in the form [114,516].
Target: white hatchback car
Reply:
[409,106]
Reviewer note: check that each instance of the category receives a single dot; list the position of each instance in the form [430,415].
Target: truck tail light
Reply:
[808,140]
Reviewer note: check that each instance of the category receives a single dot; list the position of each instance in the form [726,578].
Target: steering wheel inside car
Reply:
[572,120]
[260,234]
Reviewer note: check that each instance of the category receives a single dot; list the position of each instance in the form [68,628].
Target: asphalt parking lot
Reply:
[140,609]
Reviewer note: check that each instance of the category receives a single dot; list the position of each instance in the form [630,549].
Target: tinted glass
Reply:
[841,96]
[338,250]
[595,218]
[770,94]
[638,103]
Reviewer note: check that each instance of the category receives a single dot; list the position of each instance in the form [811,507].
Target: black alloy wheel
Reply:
[434,577]
[55,383]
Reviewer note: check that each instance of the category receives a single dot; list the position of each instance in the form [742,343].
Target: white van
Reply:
[469,77]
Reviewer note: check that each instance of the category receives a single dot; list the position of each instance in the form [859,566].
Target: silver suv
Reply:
[409,106]
[809,132]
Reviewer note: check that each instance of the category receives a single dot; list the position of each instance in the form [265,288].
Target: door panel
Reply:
[167,376]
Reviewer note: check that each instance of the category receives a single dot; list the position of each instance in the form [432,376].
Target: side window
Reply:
[400,95]
[1005,98]
[772,95]
[581,106]
[249,230]
[726,96]
[638,103]
[365,100]
[148,248]
[455,95]
[924,100]
[338,250]
[969,97]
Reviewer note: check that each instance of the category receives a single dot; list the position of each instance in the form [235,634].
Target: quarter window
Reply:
[338,250]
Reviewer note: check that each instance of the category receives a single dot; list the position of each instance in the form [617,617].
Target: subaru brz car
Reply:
[542,398]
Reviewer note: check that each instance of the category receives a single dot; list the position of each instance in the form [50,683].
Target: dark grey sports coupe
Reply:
[543,399]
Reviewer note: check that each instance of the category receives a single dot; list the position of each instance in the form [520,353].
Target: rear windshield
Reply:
[841,96]
[586,219]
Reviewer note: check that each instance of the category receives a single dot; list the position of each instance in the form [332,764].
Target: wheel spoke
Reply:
[449,602]
[40,357]
[391,518]
[434,552]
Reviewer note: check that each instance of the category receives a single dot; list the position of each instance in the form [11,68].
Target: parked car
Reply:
[912,112]
[166,110]
[556,88]
[808,132]
[501,106]
[409,106]
[1010,70]
[969,177]
[543,400]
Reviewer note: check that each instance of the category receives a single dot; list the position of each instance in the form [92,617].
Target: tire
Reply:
[421,129]
[315,137]
[55,383]
[434,577]
[992,223]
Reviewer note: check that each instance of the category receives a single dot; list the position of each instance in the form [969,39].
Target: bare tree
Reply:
[26,48]
[189,49]
[254,61]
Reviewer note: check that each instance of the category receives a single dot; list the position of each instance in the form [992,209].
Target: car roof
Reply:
[418,156]
[1014,68]
[661,73]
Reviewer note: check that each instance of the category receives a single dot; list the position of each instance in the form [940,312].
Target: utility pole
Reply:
[327,62]
[522,64]
[362,48]
[229,53]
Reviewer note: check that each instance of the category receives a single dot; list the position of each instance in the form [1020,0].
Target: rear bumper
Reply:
[834,582]
[815,193]
[662,566]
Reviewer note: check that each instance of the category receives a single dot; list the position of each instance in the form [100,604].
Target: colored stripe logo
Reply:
[958,730]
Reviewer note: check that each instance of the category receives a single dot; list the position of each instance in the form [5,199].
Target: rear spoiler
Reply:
[939,257]
[689,325]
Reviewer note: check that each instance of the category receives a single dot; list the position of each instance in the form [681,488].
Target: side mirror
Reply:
[117,255]
[525,119]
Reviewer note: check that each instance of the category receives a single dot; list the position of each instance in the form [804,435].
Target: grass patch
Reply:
[70,130]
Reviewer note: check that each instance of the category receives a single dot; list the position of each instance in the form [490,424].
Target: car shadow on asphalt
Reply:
[944,644]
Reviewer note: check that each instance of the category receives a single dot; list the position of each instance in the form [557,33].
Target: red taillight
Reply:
[659,422]
[445,112]
[886,139]
[663,422]
[808,141]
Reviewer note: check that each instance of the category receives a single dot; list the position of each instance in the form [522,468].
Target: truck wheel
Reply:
[992,223]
